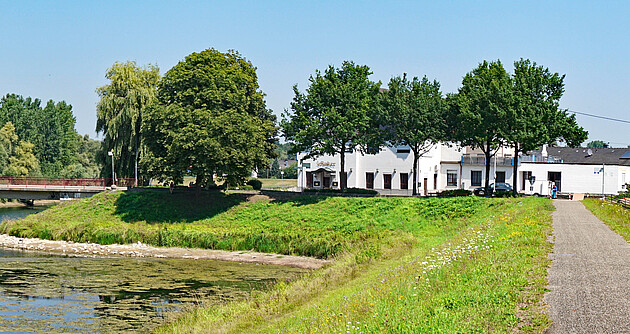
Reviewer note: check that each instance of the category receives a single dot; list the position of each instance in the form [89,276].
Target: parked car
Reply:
[481,191]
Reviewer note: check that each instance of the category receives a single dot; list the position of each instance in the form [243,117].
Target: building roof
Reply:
[581,155]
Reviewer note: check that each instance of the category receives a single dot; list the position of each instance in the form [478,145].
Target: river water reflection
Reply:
[43,293]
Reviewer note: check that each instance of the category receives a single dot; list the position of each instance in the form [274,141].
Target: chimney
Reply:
[544,150]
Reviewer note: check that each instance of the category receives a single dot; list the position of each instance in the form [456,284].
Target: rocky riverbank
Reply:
[70,248]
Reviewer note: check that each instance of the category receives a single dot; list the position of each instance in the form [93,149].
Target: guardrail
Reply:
[63,181]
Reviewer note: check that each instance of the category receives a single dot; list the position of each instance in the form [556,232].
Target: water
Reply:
[44,293]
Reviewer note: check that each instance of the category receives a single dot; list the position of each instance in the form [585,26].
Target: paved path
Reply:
[589,278]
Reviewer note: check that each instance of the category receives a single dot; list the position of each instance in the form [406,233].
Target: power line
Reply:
[598,116]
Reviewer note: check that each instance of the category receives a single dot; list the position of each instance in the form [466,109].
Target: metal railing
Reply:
[481,160]
[63,181]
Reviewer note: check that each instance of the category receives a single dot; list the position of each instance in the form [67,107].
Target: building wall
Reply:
[575,178]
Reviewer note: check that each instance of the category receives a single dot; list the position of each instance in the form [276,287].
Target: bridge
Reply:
[55,188]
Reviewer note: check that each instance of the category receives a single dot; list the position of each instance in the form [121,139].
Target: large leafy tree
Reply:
[481,109]
[119,113]
[20,159]
[337,112]
[210,117]
[50,129]
[535,117]
[413,114]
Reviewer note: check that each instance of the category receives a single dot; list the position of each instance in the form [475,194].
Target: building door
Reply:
[387,181]
[369,180]
[326,181]
[525,179]
[404,181]
[434,181]
[500,177]
[426,191]
[309,179]
[555,177]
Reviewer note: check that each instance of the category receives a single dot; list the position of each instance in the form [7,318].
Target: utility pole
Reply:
[111,154]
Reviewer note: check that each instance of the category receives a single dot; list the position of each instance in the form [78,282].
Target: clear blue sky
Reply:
[60,50]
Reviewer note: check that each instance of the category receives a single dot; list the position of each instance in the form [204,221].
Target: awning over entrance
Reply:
[322,169]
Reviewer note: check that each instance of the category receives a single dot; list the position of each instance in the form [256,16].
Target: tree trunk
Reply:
[488,157]
[198,181]
[415,173]
[342,176]
[515,171]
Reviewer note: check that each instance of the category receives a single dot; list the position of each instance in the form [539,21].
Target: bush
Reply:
[503,193]
[256,184]
[455,193]
[345,191]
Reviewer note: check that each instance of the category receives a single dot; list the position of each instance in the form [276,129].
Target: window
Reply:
[475,178]
[451,178]
[500,177]
[369,180]
[403,150]
[525,179]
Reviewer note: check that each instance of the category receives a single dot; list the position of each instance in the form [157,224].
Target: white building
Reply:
[447,167]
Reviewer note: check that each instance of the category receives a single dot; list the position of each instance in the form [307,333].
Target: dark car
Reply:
[481,191]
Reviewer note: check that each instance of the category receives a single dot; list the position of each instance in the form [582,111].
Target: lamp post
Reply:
[111,154]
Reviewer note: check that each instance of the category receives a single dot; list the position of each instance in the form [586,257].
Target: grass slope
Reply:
[401,264]
[311,226]
[484,272]
[614,215]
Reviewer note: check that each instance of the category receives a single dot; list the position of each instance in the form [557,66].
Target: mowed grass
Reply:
[278,183]
[315,226]
[481,272]
[614,215]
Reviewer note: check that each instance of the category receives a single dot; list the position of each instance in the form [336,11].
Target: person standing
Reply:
[554,191]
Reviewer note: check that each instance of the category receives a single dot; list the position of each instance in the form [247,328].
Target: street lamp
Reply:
[111,154]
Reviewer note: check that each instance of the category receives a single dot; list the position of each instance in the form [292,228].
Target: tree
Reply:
[50,129]
[535,117]
[56,138]
[413,114]
[21,160]
[119,113]
[597,144]
[210,117]
[86,165]
[336,114]
[480,111]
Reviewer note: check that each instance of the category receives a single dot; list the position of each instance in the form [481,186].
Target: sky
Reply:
[61,50]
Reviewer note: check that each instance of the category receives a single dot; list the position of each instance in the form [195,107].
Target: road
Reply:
[589,278]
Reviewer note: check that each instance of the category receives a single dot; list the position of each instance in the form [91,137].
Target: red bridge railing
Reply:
[63,181]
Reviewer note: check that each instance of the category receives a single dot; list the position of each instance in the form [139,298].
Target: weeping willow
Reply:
[119,114]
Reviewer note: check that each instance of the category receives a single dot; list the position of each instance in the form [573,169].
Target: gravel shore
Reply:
[70,248]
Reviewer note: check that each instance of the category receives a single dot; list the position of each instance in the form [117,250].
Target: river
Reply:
[46,293]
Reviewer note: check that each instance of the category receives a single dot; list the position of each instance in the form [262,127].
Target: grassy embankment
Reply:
[614,215]
[402,264]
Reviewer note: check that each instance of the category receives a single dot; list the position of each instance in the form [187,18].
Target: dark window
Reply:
[475,178]
[404,181]
[451,178]
[555,177]
[500,177]
[403,150]
[387,181]
[309,179]
[369,180]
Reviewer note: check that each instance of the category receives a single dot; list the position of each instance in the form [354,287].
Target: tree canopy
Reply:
[337,112]
[535,118]
[597,144]
[480,110]
[413,114]
[209,117]
[51,130]
[119,113]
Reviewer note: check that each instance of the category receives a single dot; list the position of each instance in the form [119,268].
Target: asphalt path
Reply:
[589,278]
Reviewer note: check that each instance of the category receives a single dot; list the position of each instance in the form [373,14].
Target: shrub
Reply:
[256,184]
[345,191]
[454,193]
[503,193]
